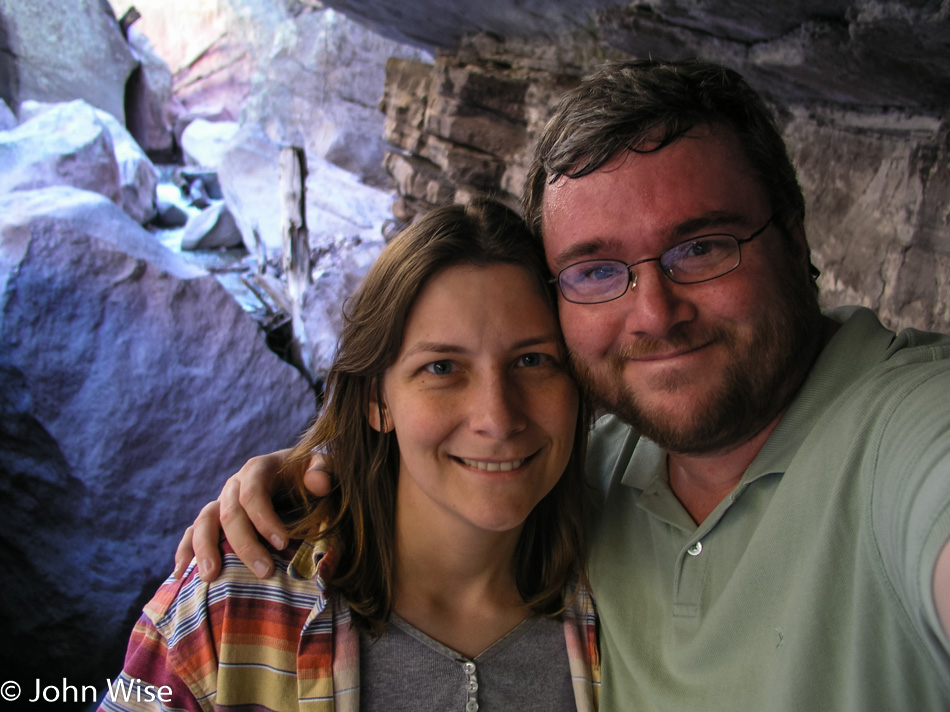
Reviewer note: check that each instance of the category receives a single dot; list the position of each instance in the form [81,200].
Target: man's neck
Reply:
[701,482]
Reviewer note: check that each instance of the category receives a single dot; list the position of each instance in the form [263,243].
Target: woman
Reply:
[444,570]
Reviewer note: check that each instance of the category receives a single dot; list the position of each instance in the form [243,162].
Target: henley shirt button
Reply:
[471,706]
[695,549]
[468,668]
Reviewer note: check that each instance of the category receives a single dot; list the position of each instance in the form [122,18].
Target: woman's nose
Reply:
[496,408]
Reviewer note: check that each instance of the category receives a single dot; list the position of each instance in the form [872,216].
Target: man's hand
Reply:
[243,511]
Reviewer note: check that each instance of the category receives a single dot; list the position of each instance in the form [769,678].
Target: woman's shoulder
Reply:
[182,606]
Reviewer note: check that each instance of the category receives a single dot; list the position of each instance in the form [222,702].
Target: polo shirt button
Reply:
[695,549]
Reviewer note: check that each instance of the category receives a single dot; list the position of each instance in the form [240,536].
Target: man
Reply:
[774,484]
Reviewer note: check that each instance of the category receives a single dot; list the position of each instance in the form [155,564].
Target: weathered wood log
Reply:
[296,257]
[296,245]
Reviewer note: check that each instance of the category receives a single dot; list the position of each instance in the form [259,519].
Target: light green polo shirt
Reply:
[809,587]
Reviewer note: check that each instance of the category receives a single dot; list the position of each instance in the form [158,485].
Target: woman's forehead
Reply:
[483,296]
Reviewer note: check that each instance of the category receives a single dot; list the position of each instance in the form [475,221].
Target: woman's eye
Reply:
[440,368]
[533,359]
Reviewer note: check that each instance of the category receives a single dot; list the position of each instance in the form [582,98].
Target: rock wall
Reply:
[860,52]
[876,178]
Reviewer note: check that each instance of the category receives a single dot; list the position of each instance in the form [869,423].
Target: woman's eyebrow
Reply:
[538,341]
[439,347]
[434,347]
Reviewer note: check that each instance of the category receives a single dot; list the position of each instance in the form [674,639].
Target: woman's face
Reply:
[482,407]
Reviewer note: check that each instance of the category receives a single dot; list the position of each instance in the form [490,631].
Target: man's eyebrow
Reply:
[715,220]
[711,221]
[580,251]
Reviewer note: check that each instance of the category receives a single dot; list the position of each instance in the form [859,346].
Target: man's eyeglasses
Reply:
[699,259]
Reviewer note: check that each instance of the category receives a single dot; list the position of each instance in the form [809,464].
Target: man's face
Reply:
[698,368]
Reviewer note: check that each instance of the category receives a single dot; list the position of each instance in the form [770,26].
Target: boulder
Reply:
[7,118]
[203,142]
[206,182]
[65,144]
[340,265]
[138,177]
[46,156]
[337,203]
[249,177]
[131,385]
[169,213]
[150,104]
[210,229]
[63,51]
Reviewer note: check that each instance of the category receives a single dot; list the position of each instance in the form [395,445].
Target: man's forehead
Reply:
[699,181]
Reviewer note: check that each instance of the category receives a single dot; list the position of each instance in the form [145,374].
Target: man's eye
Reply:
[440,368]
[696,249]
[599,272]
[705,249]
[533,359]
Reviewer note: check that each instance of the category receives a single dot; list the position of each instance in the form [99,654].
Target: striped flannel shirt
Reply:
[284,643]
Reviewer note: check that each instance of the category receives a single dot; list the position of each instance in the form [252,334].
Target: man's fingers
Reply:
[240,532]
[205,539]
[317,478]
[184,553]
[248,495]
[242,511]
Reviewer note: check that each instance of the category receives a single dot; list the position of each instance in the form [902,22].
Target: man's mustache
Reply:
[680,339]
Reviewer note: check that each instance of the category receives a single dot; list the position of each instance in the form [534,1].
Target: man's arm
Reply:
[244,511]
[942,587]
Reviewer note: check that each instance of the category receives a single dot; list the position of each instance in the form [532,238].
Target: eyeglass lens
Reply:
[697,260]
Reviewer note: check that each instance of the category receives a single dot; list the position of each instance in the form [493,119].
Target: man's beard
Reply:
[753,389]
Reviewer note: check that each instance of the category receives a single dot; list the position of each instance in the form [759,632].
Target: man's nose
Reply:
[653,302]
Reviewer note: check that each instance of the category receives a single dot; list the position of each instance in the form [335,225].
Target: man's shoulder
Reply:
[870,386]
[861,328]
[187,601]
[866,359]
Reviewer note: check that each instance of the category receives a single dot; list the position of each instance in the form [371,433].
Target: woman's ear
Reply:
[377,414]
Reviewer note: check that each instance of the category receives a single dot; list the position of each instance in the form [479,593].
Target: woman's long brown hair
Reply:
[358,517]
